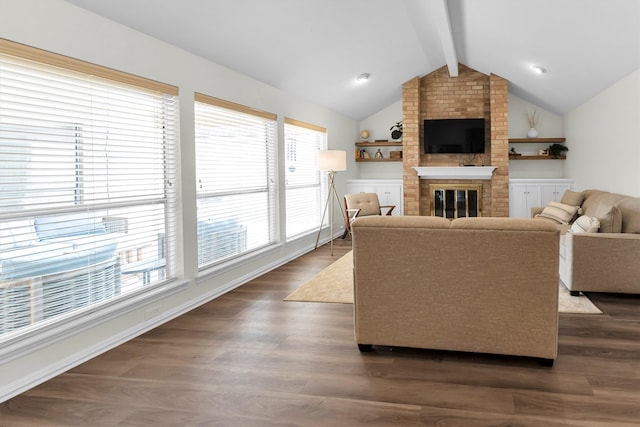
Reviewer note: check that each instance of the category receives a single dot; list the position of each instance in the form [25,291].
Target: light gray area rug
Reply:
[335,284]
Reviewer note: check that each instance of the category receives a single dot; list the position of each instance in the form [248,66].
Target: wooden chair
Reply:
[363,204]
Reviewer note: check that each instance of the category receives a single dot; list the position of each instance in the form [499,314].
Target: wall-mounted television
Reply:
[454,136]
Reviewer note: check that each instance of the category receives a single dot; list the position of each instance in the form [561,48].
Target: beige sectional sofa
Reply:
[607,260]
[484,285]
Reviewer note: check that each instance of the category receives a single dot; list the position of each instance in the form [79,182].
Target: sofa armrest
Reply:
[536,210]
[605,262]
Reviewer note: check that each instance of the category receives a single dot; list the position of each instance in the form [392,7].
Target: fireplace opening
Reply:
[456,200]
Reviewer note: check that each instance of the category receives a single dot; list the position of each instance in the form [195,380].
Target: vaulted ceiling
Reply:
[314,49]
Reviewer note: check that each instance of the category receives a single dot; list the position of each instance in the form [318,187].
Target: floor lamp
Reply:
[332,161]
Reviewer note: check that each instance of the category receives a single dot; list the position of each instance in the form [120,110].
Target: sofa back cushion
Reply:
[507,224]
[66,225]
[602,205]
[630,212]
[394,222]
[573,198]
[594,198]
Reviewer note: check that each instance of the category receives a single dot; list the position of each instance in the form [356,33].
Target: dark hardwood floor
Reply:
[250,359]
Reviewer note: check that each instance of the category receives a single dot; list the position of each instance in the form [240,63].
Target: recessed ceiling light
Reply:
[538,69]
[363,77]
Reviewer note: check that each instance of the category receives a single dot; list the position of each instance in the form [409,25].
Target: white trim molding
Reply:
[455,172]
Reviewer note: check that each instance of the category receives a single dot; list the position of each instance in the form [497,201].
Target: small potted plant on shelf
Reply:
[396,130]
[556,150]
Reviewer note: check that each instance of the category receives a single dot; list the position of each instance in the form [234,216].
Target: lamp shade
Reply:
[332,160]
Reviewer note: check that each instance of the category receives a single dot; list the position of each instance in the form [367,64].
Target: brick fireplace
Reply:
[470,95]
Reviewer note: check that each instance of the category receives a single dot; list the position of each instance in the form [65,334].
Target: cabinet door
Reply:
[548,194]
[560,189]
[390,195]
[523,197]
[553,192]
[353,188]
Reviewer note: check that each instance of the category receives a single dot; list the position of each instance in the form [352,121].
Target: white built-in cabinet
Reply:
[389,191]
[525,193]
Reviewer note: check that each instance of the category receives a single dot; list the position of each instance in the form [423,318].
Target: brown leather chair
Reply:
[363,204]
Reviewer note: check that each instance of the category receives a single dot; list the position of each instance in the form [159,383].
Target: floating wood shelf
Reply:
[379,144]
[538,140]
[378,160]
[512,157]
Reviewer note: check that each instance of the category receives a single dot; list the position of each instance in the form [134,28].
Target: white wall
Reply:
[604,134]
[378,125]
[63,28]
[549,125]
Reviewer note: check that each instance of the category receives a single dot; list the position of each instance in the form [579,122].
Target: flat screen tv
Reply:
[454,136]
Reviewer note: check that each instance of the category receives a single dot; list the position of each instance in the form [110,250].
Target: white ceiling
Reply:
[315,48]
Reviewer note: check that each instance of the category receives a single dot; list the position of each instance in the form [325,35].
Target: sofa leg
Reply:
[574,293]
[365,348]
[548,363]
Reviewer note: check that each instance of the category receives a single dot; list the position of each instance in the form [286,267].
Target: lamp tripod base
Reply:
[329,204]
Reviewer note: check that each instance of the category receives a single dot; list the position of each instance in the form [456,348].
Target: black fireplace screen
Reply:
[456,202]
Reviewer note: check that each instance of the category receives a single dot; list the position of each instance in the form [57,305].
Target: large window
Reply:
[303,183]
[236,179]
[87,176]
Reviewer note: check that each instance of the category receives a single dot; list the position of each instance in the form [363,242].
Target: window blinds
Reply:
[303,183]
[236,179]
[87,197]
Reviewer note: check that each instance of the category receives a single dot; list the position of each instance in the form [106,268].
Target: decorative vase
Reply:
[396,134]
[533,133]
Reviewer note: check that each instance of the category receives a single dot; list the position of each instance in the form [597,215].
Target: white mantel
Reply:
[455,172]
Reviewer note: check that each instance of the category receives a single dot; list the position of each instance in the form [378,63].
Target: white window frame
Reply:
[305,189]
[236,170]
[118,134]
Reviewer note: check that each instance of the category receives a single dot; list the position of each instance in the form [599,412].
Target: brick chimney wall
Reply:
[499,101]
[469,95]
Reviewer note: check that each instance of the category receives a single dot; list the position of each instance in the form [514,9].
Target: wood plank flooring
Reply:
[250,359]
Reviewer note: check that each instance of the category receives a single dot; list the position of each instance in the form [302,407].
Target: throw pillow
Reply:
[585,224]
[559,212]
[573,198]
